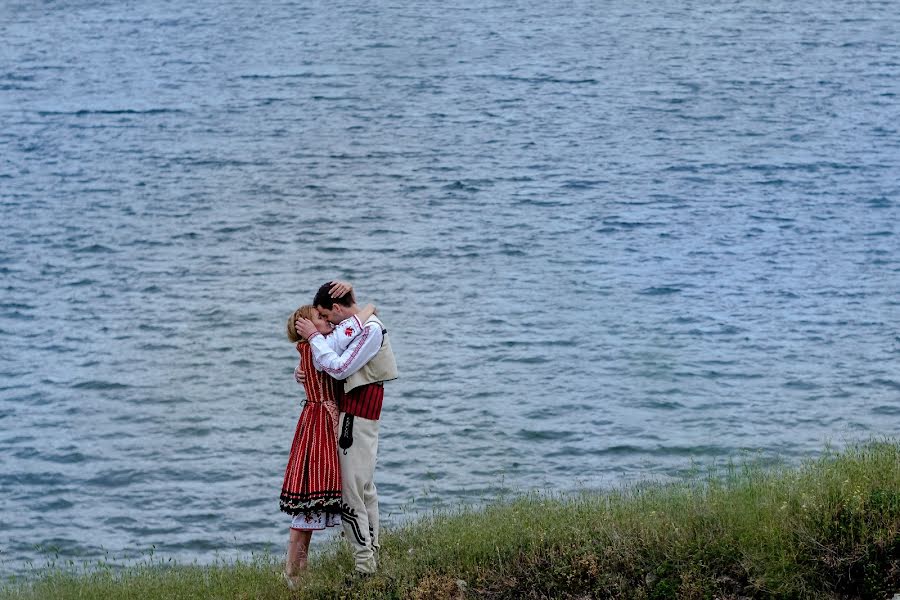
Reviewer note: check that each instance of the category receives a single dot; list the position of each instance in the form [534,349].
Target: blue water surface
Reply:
[609,239]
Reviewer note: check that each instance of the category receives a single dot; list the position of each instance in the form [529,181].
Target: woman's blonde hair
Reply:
[306,311]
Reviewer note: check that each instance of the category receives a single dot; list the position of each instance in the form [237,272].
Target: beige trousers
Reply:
[359,512]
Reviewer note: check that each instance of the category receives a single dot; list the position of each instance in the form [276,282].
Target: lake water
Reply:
[609,239]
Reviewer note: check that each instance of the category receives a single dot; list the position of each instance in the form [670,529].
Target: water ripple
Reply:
[596,251]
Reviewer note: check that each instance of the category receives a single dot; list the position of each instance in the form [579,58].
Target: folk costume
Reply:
[311,491]
[366,363]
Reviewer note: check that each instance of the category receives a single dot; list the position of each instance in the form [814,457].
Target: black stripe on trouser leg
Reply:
[349,515]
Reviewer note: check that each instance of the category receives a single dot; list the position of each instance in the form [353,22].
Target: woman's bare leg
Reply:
[297,552]
[303,549]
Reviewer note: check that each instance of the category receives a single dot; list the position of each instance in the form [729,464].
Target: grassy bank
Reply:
[827,529]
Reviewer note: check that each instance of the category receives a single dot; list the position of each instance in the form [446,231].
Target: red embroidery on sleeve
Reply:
[348,332]
[360,342]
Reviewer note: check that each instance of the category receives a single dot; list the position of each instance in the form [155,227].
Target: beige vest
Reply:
[382,367]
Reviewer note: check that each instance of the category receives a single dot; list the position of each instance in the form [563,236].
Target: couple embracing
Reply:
[345,358]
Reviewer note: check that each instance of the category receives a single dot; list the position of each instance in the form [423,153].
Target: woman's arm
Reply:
[367,311]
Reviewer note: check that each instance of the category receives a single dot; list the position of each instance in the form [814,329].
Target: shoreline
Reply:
[827,529]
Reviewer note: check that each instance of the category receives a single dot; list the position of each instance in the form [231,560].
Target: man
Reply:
[364,366]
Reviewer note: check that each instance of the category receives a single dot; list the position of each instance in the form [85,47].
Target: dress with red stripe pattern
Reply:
[312,480]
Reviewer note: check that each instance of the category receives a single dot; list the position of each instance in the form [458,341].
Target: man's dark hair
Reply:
[323,297]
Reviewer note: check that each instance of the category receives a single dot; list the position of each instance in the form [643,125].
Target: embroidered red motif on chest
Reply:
[348,332]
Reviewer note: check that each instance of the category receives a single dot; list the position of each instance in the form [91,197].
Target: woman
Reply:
[311,491]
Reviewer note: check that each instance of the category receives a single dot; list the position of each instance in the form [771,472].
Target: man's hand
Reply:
[305,327]
[340,288]
[299,375]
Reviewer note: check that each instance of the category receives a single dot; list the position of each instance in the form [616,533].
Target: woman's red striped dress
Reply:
[312,480]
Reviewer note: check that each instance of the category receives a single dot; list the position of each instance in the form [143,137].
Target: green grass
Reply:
[827,529]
